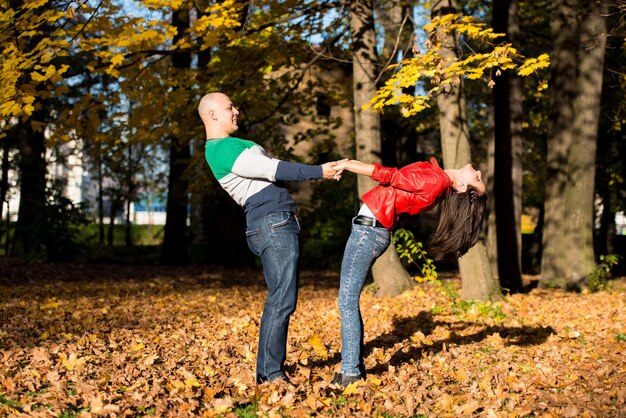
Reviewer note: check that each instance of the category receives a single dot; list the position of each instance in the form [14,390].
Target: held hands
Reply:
[333,170]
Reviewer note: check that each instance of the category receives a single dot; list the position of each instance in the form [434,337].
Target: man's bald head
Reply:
[208,102]
[218,114]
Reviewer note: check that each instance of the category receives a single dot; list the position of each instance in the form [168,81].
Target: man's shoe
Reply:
[343,380]
[262,379]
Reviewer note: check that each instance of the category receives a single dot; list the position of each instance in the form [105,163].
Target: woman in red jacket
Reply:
[411,189]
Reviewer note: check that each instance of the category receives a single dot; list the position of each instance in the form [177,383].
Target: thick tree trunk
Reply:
[563,80]
[507,96]
[491,238]
[389,275]
[568,255]
[398,30]
[579,204]
[175,231]
[31,229]
[477,280]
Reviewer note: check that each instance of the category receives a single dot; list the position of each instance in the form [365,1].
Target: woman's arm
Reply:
[356,167]
[419,177]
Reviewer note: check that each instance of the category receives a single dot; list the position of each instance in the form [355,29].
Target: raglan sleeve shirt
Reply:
[249,176]
[247,159]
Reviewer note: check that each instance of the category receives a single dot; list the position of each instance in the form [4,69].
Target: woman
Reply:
[411,189]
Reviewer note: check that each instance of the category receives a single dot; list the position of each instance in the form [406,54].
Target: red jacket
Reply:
[411,189]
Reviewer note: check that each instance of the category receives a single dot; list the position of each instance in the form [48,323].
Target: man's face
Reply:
[225,113]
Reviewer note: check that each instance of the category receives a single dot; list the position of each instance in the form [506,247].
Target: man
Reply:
[249,176]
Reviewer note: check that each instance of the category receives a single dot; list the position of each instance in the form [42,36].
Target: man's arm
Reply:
[253,163]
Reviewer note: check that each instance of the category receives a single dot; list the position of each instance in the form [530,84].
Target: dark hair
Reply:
[460,222]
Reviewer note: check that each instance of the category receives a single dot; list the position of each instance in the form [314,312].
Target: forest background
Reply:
[120,82]
[532,93]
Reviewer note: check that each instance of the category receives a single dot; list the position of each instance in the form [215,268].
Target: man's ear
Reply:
[212,114]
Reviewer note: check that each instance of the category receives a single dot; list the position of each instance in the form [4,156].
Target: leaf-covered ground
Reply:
[122,341]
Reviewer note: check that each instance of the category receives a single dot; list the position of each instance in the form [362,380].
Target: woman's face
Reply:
[469,176]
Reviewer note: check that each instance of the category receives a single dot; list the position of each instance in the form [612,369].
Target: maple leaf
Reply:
[515,367]
[73,362]
[318,346]
[352,388]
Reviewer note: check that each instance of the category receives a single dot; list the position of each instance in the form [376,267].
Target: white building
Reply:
[65,163]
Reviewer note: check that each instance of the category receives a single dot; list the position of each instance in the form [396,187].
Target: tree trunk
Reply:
[606,236]
[389,275]
[31,228]
[507,96]
[128,239]
[579,204]
[364,62]
[100,198]
[113,209]
[568,255]
[201,202]
[4,180]
[476,278]
[563,80]
[397,38]
[175,231]
[491,239]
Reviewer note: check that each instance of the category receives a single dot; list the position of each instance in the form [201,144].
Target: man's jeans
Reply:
[276,240]
[364,246]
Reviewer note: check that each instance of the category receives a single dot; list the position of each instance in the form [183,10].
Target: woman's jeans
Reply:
[276,240]
[364,246]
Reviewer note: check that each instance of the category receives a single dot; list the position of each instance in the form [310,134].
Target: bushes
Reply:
[63,239]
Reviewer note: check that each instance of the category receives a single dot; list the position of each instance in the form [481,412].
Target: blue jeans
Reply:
[364,246]
[275,238]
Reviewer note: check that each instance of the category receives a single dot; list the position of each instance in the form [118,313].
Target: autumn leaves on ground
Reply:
[122,341]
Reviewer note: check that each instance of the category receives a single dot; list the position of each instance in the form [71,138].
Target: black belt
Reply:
[367,221]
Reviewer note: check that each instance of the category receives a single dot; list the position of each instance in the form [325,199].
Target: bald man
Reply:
[249,176]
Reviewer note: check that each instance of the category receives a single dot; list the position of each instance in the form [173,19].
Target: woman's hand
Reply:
[355,166]
[331,171]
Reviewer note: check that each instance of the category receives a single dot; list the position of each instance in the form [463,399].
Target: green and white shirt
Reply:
[249,176]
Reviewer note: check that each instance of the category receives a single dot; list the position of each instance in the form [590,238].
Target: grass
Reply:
[140,234]
[146,241]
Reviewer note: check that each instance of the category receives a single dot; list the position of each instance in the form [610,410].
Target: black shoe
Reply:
[262,379]
[343,380]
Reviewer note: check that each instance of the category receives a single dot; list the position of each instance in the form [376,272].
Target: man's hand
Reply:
[330,172]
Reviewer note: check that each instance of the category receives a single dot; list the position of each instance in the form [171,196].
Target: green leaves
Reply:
[414,253]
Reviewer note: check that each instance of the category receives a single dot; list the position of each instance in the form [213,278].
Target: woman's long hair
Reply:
[459,225]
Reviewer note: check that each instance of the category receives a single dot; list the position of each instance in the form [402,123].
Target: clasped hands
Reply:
[333,169]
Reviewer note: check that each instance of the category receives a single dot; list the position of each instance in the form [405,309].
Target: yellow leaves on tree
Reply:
[443,74]
[217,20]
[29,61]
[25,60]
